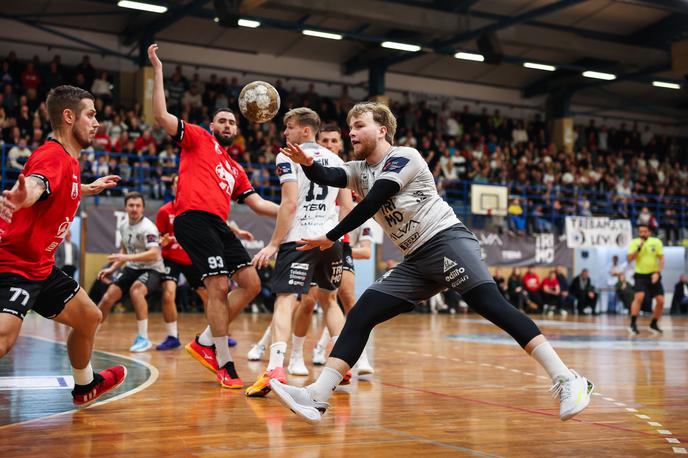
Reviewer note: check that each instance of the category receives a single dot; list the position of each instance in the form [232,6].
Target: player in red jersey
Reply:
[208,180]
[177,262]
[36,215]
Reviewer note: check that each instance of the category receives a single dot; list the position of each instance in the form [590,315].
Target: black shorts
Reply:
[347,258]
[211,245]
[643,284]
[128,276]
[46,297]
[296,271]
[173,270]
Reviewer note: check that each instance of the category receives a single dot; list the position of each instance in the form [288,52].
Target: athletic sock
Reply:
[206,337]
[323,388]
[550,361]
[324,338]
[142,325]
[83,376]
[653,324]
[297,344]
[222,351]
[633,320]
[171,329]
[277,352]
[266,338]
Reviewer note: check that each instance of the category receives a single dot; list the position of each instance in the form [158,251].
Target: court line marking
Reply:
[154,373]
[680,450]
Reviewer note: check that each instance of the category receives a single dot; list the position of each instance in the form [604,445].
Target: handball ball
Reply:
[259,101]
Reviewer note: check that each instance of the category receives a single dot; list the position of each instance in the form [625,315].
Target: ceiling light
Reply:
[666,85]
[547,68]
[400,46]
[599,75]
[316,33]
[470,56]
[142,6]
[248,23]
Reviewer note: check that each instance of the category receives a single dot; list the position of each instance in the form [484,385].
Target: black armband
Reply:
[381,191]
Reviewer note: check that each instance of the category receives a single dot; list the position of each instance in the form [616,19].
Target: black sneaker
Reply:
[655,329]
[633,330]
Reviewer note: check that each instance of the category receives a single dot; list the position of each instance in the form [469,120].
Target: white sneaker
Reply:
[574,395]
[363,367]
[319,357]
[299,400]
[297,366]
[256,352]
[563,312]
[141,344]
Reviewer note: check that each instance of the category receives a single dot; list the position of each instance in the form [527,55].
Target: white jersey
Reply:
[317,211]
[370,231]
[139,238]
[414,214]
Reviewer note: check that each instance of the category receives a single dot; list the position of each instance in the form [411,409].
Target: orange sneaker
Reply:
[262,386]
[204,355]
[228,377]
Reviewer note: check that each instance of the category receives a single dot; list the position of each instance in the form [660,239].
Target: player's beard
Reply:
[82,138]
[224,140]
[365,149]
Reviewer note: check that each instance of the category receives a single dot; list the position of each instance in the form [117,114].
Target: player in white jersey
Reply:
[439,252]
[306,209]
[141,254]
[355,245]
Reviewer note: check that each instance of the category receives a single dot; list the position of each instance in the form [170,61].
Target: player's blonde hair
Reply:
[382,115]
[304,117]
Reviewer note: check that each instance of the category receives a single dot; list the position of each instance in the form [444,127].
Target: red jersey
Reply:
[208,177]
[28,243]
[165,223]
[550,283]
[531,281]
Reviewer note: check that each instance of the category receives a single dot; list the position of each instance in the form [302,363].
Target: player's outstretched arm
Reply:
[166,120]
[25,192]
[261,206]
[381,191]
[329,176]
[100,185]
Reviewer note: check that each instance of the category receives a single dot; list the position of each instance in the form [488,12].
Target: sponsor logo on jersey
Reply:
[366,231]
[151,238]
[395,164]
[448,264]
[283,168]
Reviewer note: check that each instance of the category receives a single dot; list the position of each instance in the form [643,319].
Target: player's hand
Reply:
[12,200]
[246,235]
[321,242]
[153,56]
[655,277]
[165,240]
[262,258]
[103,183]
[118,257]
[296,154]
[104,273]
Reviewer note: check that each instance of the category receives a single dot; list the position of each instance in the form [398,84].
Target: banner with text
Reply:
[590,231]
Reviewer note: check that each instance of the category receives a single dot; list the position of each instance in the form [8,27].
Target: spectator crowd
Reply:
[623,172]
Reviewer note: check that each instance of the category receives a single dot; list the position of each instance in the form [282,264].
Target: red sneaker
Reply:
[347,378]
[204,355]
[103,382]
[228,377]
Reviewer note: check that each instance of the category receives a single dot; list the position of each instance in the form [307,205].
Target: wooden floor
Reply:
[445,385]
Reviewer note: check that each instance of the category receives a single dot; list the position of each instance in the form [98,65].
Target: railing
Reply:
[150,177]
